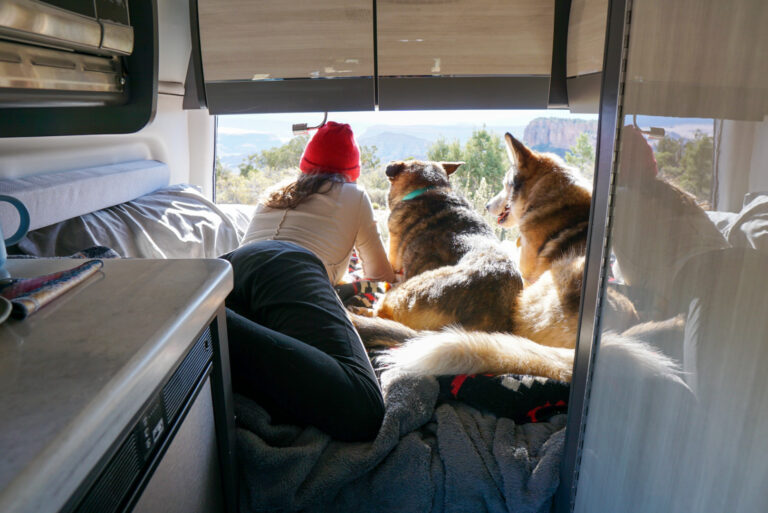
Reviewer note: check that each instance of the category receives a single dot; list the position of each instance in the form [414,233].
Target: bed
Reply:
[450,443]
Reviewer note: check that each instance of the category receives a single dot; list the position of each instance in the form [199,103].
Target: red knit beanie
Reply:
[332,150]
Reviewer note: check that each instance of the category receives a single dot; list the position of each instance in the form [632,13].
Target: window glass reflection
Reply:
[684,430]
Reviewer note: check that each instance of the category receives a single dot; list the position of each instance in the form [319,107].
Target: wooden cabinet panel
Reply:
[259,39]
[586,36]
[464,37]
[693,58]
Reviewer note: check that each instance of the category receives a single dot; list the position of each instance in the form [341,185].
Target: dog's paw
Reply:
[362,311]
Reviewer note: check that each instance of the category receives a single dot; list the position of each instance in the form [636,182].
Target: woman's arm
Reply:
[369,247]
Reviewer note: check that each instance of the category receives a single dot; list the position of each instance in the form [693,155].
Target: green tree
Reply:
[282,157]
[697,163]
[443,151]
[687,164]
[218,169]
[668,153]
[372,177]
[231,186]
[369,160]
[582,156]
[485,157]
[483,154]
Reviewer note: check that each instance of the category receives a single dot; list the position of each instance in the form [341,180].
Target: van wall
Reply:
[741,151]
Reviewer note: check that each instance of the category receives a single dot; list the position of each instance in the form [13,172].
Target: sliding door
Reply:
[675,415]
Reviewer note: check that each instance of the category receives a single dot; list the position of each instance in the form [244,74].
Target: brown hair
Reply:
[290,195]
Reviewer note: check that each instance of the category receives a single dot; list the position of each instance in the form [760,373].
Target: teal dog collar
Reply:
[417,193]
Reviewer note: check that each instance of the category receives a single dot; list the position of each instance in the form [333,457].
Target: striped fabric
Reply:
[28,295]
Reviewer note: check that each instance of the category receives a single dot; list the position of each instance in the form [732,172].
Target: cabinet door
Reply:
[699,59]
[246,45]
[465,37]
[584,62]
[586,36]
[464,53]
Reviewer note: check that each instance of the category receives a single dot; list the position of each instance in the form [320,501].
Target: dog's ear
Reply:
[518,153]
[450,167]
[394,169]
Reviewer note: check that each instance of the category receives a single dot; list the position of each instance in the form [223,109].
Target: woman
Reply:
[324,210]
[292,346]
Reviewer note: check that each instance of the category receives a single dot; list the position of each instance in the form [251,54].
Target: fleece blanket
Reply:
[430,455]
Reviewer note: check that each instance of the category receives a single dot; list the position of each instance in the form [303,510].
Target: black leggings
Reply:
[292,346]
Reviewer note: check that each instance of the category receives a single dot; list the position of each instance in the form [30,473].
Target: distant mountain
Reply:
[395,142]
[396,146]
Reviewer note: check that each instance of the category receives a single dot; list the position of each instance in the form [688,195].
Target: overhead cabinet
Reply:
[299,55]
[465,38]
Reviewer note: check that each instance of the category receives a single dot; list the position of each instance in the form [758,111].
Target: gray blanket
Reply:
[427,457]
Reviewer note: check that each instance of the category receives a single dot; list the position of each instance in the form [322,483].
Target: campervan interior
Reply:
[137,136]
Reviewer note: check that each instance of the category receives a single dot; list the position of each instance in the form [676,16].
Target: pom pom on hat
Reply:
[332,150]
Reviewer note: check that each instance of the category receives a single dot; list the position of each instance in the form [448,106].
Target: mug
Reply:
[16,237]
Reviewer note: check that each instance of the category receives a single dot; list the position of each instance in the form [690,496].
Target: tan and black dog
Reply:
[549,202]
[454,267]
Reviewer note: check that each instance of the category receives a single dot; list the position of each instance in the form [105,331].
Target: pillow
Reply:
[173,222]
[750,228]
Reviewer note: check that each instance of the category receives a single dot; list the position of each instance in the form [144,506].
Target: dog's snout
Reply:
[488,206]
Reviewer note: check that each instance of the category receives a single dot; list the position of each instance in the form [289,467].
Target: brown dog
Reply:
[455,269]
[550,203]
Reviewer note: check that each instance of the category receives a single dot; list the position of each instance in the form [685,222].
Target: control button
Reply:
[158,430]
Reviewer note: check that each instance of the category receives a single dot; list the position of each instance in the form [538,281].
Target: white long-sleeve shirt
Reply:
[329,225]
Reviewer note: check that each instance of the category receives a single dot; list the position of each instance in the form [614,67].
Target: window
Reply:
[255,152]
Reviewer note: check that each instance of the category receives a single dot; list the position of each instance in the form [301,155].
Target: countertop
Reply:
[73,374]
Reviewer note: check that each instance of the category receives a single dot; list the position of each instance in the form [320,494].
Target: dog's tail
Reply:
[378,333]
[455,351]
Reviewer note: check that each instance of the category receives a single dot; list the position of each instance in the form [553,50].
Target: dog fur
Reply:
[549,202]
[455,351]
[435,229]
[458,273]
[553,239]
[453,267]
[456,270]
